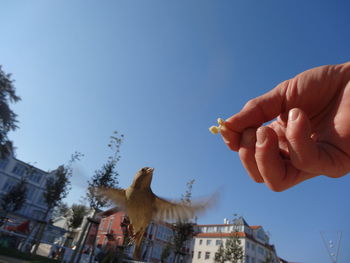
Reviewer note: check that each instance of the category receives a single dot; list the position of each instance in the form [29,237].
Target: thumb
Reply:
[307,154]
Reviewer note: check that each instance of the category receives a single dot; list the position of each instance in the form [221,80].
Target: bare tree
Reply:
[183,231]
[57,188]
[106,177]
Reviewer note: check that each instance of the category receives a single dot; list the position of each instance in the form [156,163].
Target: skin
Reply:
[309,135]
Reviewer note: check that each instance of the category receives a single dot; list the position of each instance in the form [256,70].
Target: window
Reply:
[164,233]
[253,247]
[208,242]
[200,241]
[8,185]
[248,244]
[221,229]
[247,259]
[207,255]
[211,229]
[261,235]
[19,169]
[31,191]
[41,200]
[253,260]
[109,225]
[3,163]
[157,251]
[218,242]
[24,209]
[199,254]
[38,214]
[261,250]
[35,177]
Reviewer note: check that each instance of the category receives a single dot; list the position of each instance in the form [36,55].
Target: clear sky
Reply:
[161,72]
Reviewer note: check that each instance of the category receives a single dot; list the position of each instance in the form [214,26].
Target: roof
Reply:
[220,234]
[252,227]
[240,221]
[255,227]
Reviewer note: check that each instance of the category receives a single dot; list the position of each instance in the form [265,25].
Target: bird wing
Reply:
[180,211]
[117,196]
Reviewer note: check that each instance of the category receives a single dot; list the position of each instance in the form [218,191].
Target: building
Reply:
[12,171]
[158,236]
[71,236]
[254,241]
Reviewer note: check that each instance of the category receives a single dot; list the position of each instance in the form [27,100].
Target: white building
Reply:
[254,241]
[12,171]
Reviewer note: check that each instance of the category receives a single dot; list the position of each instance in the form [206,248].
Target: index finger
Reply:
[256,112]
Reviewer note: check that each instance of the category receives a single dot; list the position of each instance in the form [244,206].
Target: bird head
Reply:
[143,178]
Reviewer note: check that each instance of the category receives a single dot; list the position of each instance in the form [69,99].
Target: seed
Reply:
[214,129]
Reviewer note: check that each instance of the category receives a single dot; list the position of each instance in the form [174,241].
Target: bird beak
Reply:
[150,170]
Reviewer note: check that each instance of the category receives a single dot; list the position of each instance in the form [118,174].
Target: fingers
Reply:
[306,153]
[303,150]
[277,172]
[247,154]
[256,112]
[261,156]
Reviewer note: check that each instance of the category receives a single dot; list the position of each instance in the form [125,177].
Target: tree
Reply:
[8,119]
[165,253]
[220,256]
[57,188]
[78,214]
[268,258]
[183,231]
[14,199]
[106,177]
[233,248]
[61,209]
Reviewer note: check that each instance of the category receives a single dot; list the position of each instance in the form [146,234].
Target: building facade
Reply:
[254,242]
[12,171]
[157,238]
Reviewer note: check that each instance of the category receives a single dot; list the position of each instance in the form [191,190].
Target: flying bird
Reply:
[142,205]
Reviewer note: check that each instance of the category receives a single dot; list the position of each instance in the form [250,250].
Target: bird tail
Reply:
[138,245]
[138,249]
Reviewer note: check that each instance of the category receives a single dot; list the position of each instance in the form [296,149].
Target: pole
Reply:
[77,248]
[84,241]
[338,245]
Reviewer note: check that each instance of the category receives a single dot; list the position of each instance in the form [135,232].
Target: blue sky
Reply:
[161,72]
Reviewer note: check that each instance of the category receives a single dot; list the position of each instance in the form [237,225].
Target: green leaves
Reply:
[8,119]
[106,177]
[14,199]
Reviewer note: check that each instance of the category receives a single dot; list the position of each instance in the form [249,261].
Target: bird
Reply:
[142,205]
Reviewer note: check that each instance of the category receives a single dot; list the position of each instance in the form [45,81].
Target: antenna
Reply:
[332,249]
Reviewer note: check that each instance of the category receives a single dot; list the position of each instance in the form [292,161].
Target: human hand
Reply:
[310,137]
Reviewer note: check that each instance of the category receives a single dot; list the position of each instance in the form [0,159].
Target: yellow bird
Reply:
[142,205]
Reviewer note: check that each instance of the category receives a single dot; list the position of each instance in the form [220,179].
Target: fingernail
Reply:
[260,137]
[293,114]
[248,138]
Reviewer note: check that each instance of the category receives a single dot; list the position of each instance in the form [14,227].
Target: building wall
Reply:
[12,171]
[157,236]
[254,242]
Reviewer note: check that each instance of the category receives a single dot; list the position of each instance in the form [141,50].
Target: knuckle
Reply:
[251,103]
[276,187]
